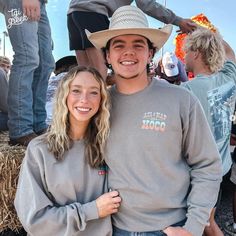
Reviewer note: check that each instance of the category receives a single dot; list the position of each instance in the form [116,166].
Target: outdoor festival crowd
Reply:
[118,143]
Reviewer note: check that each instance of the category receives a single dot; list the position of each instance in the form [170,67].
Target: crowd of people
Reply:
[145,156]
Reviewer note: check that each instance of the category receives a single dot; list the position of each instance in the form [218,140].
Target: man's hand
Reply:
[187,26]
[31,8]
[176,231]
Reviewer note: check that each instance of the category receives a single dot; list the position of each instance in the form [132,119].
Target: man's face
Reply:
[129,56]
[6,67]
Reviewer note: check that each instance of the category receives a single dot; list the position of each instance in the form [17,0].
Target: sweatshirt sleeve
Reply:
[158,11]
[35,208]
[204,160]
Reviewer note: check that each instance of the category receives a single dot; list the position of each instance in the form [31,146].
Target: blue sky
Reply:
[220,13]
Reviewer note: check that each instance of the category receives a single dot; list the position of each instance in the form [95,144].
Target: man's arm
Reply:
[31,8]
[229,53]
[203,158]
[165,15]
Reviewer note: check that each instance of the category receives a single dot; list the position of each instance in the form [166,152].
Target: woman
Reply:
[62,179]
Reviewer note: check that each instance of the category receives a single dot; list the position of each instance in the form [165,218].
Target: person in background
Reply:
[93,15]
[230,227]
[30,35]
[171,69]
[3,100]
[63,176]
[5,64]
[167,175]
[63,65]
[213,64]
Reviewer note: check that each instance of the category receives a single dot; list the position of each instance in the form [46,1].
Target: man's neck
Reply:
[133,85]
[201,69]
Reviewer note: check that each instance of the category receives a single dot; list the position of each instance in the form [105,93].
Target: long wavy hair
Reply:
[210,45]
[97,132]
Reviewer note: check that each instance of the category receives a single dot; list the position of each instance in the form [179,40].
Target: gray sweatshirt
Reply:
[107,7]
[58,198]
[217,95]
[160,148]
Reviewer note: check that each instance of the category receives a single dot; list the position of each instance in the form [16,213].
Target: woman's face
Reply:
[84,98]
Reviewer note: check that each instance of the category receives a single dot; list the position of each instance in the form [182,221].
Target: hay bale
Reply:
[10,161]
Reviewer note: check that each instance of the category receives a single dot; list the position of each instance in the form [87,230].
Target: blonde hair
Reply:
[210,45]
[97,131]
[5,60]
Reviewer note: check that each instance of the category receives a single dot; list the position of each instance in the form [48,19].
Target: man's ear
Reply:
[196,54]
[150,56]
[108,57]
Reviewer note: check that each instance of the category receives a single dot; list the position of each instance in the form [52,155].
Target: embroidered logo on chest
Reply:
[155,121]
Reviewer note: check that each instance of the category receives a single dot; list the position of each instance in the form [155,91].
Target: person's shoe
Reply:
[23,141]
[230,229]
[43,131]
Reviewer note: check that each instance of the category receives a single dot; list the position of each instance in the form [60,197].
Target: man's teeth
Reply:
[127,63]
[83,109]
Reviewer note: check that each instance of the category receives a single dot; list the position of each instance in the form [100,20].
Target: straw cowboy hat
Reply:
[130,20]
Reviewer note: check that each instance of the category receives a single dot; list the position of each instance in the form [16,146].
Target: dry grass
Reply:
[10,161]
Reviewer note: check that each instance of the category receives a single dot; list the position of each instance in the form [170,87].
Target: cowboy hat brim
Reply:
[157,36]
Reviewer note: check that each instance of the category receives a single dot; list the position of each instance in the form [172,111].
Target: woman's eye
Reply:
[94,93]
[75,91]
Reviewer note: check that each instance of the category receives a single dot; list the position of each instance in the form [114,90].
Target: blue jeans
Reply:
[3,121]
[32,65]
[121,232]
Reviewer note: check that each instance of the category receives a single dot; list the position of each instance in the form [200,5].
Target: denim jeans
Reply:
[3,121]
[32,65]
[121,232]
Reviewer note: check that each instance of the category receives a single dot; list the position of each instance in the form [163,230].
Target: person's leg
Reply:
[97,60]
[230,227]
[3,121]
[24,40]
[42,73]
[81,57]
[86,53]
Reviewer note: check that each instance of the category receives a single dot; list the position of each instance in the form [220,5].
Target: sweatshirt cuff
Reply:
[194,227]
[177,20]
[90,210]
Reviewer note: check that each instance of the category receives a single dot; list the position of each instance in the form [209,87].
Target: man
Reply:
[230,227]
[93,15]
[5,64]
[63,65]
[212,62]
[3,100]
[30,36]
[167,175]
[171,69]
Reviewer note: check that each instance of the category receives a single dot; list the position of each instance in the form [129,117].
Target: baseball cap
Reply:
[170,64]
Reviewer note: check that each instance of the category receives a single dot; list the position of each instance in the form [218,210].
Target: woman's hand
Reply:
[108,203]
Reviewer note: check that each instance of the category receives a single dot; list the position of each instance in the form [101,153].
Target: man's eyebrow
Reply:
[123,41]
[118,41]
